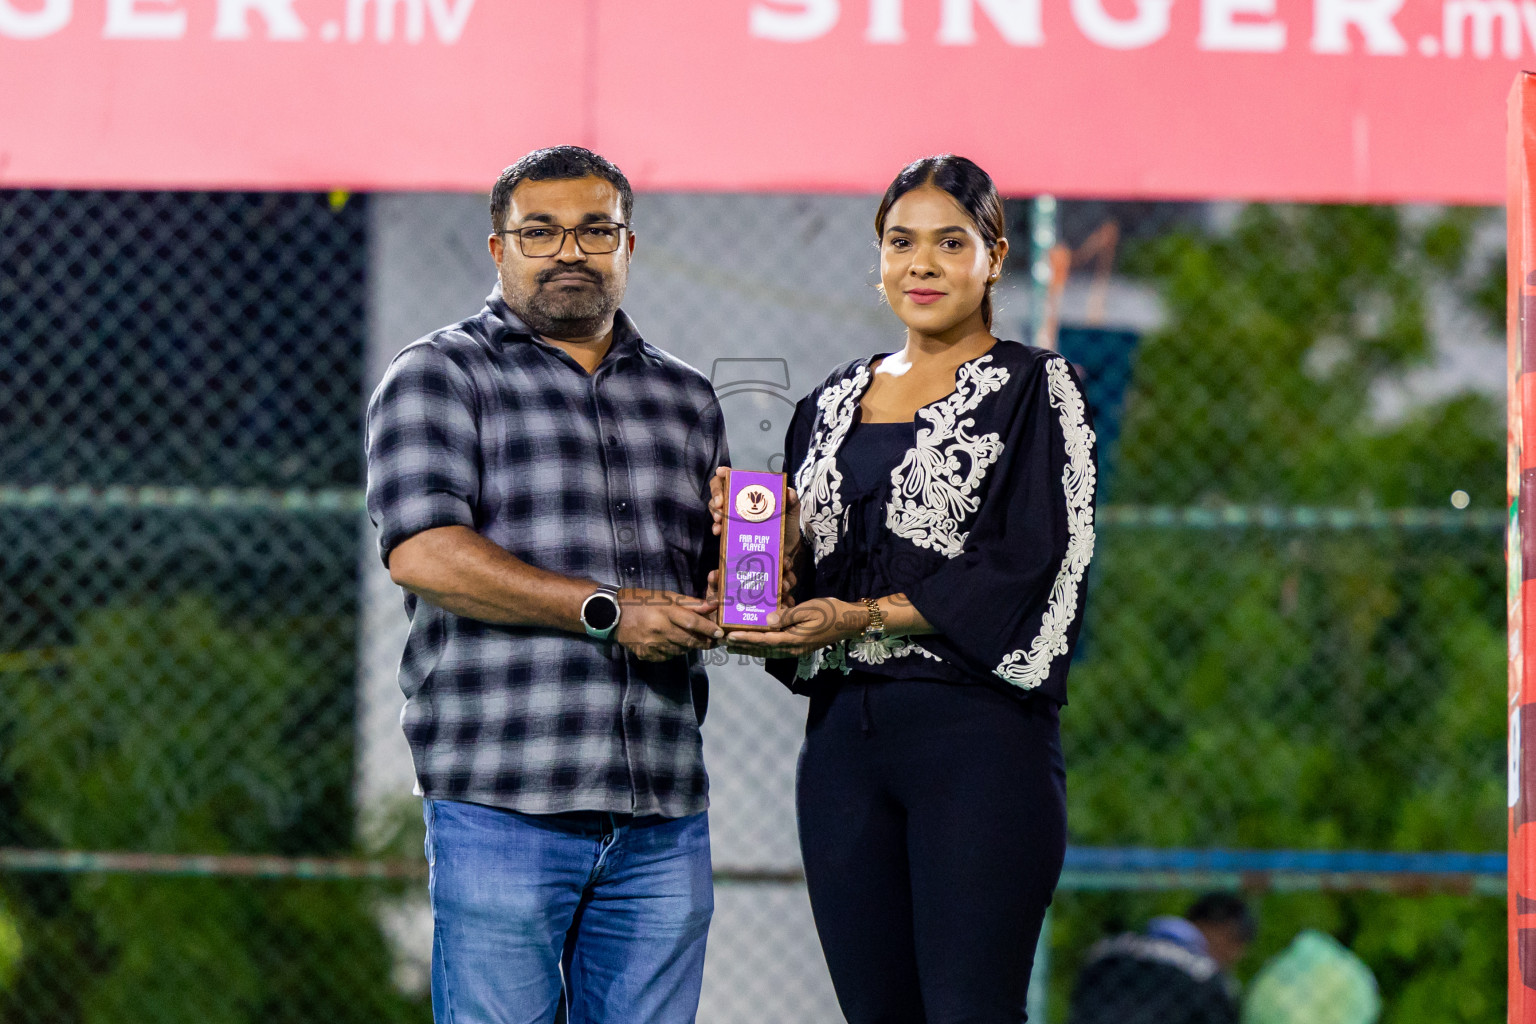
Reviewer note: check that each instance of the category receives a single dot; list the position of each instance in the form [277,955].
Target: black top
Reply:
[866,460]
[985,521]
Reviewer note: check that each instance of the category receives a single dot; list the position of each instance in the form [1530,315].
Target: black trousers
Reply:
[933,827]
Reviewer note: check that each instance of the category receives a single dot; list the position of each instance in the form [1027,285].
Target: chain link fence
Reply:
[1293,661]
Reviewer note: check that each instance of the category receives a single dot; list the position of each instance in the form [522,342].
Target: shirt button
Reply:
[621,506]
[613,440]
[629,712]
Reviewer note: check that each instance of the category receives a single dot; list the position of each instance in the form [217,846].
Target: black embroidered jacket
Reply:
[987,526]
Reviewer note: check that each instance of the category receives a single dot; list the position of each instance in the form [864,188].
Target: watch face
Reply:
[601,611]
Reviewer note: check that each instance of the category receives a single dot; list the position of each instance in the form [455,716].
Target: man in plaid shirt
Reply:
[539,475]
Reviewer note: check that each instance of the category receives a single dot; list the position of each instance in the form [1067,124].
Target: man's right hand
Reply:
[655,625]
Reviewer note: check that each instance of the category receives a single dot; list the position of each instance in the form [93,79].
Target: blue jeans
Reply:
[520,900]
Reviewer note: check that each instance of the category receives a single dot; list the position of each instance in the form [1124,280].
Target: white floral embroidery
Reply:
[817,480]
[877,652]
[822,658]
[1028,669]
[836,656]
[932,488]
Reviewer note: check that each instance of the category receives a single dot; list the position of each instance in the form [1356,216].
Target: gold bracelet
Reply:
[875,631]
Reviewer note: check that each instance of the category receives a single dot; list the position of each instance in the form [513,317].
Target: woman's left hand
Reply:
[806,627]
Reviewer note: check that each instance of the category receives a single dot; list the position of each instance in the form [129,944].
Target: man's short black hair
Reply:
[1218,908]
[557,163]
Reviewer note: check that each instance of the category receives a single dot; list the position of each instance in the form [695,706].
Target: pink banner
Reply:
[1300,99]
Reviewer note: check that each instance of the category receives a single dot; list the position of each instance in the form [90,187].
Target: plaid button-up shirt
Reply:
[602,477]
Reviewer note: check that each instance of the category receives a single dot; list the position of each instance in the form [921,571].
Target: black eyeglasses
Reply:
[544,240]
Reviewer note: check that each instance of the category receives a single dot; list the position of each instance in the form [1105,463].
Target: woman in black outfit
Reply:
[946,525]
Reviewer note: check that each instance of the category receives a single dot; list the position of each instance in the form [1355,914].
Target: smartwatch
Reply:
[600,612]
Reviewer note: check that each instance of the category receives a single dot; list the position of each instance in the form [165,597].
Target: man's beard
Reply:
[558,313]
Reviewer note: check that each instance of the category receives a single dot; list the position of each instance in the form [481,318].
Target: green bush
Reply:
[1302,688]
[171,729]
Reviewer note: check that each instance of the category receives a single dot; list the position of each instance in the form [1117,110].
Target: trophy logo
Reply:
[755,503]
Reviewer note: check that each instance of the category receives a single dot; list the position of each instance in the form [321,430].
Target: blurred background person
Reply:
[1314,980]
[1173,973]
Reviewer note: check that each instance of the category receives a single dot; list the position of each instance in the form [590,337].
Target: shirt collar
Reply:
[626,336]
[1178,930]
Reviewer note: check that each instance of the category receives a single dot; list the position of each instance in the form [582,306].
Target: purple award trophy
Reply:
[751,549]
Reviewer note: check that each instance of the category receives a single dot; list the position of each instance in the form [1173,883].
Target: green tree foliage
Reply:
[11,947]
[171,730]
[1318,688]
